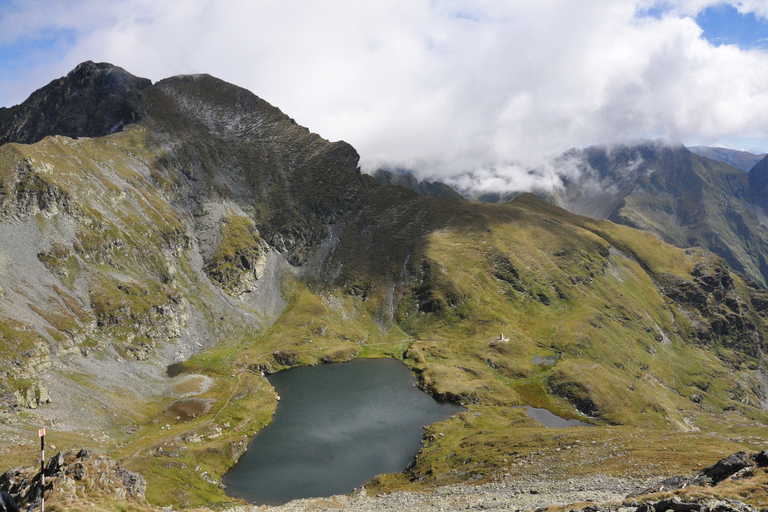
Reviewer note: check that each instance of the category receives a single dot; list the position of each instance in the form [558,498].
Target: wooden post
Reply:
[41,433]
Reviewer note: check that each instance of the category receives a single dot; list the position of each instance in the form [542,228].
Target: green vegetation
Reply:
[659,346]
[238,256]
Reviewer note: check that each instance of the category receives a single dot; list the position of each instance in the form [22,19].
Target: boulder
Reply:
[761,459]
[723,469]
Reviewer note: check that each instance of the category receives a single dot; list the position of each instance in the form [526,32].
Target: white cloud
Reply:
[693,7]
[447,86]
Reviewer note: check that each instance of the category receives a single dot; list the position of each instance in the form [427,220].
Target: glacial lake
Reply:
[335,428]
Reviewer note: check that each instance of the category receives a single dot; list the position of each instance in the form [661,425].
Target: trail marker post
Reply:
[41,433]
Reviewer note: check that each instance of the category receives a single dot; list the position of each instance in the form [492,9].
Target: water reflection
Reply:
[336,427]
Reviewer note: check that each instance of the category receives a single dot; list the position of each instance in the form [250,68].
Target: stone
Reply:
[67,473]
[761,459]
[54,465]
[722,469]
[78,471]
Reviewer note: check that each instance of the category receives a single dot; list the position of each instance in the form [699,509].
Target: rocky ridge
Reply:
[742,160]
[71,479]
[216,234]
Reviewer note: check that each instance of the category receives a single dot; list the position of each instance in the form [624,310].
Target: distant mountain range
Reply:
[422,187]
[685,199]
[743,160]
[689,197]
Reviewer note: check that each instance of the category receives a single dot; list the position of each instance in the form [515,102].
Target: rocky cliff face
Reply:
[719,314]
[91,101]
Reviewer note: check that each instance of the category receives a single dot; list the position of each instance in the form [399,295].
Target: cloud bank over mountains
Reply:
[440,87]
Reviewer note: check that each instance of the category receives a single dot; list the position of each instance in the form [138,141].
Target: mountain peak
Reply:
[94,99]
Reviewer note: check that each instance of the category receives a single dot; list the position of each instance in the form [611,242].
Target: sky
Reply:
[442,87]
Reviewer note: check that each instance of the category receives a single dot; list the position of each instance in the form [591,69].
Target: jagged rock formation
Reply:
[91,101]
[72,479]
[718,313]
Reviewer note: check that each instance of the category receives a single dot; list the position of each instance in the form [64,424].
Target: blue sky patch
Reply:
[723,24]
[655,12]
[15,57]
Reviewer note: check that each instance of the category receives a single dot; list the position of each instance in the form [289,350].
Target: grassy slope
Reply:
[431,281]
[695,201]
[586,291]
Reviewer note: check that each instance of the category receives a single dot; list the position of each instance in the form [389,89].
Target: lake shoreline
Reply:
[337,426]
[509,492]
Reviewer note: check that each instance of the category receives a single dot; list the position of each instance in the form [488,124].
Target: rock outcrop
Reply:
[717,312]
[675,504]
[68,475]
[728,467]
[91,101]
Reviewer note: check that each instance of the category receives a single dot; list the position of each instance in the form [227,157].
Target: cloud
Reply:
[511,178]
[692,7]
[441,87]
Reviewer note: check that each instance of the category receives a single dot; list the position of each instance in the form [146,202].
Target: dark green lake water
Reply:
[336,427]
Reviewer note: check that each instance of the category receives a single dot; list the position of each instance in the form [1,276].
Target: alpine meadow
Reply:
[164,247]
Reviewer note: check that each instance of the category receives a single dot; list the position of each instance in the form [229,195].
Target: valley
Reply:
[212,233]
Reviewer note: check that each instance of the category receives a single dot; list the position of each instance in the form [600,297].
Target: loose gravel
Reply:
[507,494]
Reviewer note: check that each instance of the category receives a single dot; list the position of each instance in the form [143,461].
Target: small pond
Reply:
[551,420]
[336,427]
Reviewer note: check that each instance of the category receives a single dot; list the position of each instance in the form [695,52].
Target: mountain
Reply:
[151,276]
[758,183]
[743,160]
[685,199]
[92,100]
[423,187]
